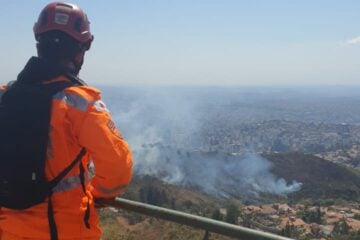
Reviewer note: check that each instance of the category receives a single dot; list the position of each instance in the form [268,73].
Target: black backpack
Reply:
[25,111]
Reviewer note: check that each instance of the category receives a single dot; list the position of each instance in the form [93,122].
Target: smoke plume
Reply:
[164,129]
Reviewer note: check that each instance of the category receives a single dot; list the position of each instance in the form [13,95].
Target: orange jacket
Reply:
[78,119]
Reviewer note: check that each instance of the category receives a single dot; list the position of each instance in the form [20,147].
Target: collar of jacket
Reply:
[38,70]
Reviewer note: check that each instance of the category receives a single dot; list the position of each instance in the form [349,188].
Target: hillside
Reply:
[321,179]
[249,177]
[118,227]
[153,191]
[119,224]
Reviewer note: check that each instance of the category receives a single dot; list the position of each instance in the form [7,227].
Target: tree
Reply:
[247,220]
[287,231]
[290,231]
[173,203]
[216,215]
[341,228]
[311,216]
[152,195]
[232,213]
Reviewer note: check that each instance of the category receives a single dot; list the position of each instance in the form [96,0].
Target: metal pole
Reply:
[193,221]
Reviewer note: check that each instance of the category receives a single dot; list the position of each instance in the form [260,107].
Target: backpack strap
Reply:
[87,211]
[75,79]
[64,172]
[52,184]
[51,219]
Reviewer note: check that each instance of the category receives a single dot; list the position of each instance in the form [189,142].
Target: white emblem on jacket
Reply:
[100,106]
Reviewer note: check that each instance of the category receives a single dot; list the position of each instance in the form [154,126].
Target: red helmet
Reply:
[64,17]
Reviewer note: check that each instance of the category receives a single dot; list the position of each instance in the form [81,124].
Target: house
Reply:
[284,209]
[326,229]
[354,224]
[292,220]
[267,210]
[251,209]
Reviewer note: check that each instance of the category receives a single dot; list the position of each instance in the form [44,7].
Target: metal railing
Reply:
[207,224]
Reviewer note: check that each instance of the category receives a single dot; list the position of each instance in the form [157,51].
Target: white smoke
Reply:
[162,127]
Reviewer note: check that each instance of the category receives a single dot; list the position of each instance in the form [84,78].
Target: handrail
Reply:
[192,220]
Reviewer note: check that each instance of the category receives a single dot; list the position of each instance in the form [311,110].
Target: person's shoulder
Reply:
[88,92]
[80,97]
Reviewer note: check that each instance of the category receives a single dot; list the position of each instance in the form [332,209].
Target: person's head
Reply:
[63,34]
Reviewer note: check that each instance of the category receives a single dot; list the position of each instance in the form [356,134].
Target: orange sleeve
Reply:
[110,153]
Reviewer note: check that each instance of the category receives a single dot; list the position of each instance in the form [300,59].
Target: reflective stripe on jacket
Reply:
[79,119]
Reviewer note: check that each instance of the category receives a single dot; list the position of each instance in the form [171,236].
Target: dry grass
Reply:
[117,227]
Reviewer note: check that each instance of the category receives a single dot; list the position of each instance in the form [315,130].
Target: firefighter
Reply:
[79,120]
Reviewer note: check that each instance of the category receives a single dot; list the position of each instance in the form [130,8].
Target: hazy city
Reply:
[287,158]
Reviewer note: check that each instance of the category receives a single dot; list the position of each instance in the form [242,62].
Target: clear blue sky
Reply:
[203,42]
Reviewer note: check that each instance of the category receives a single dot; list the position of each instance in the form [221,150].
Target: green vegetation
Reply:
[349,236]
[357,216]
[321,179]
[116,226]
[290,231]
[341,228]
[311,215]
[232,213]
